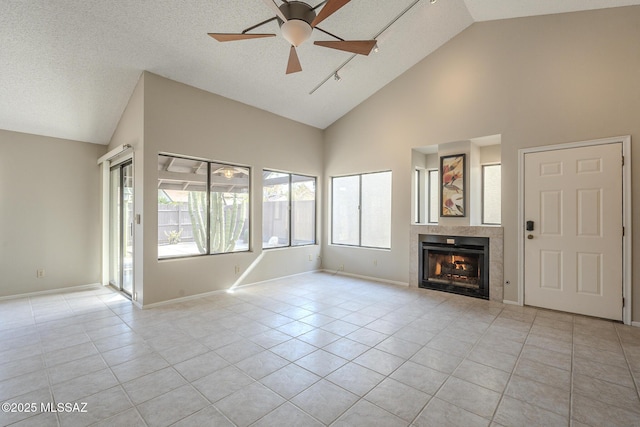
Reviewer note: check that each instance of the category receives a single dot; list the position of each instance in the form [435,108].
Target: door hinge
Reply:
[622,301]
[622,160]
[622,231]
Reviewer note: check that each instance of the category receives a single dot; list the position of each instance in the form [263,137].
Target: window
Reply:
[433,196]
[288,210]
[418,202]
[195,221]
[426,201]
[491,194]
[361,210]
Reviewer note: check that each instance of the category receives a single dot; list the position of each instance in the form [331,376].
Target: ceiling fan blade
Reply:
[272,4]
[327,10]
[294,63]
[361,47]
[229,37]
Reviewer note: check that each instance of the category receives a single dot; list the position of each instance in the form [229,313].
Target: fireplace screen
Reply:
[463,270]
[455,264]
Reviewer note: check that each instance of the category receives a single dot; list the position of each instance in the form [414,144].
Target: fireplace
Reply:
[457,264]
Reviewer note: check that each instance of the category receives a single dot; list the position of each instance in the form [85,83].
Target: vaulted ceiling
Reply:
[68,67]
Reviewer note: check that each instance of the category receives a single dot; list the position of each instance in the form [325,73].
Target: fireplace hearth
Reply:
[457,264]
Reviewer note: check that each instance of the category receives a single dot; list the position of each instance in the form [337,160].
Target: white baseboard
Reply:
[509,302]
[52,291]
[373,279]
[636,324]
[274,279]
[216,292]
[181,299]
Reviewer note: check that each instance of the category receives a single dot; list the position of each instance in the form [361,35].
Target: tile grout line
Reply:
[315,297]
[119,384]
[362,398]
[626,358]
[44,361]
[457,366]
[513,370]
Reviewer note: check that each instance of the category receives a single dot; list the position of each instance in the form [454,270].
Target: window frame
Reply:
[417,179]
[431,172]
[290,209]
[422,180]
[208,207]
[359,245]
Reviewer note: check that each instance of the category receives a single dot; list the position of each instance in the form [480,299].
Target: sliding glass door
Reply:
[121,227]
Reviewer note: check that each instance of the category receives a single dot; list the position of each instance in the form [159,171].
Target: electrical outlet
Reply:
[375,262]
[341,267]
[40,273]
[310,257]
[237,269]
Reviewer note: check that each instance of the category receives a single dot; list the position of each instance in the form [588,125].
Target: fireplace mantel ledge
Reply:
[456,230]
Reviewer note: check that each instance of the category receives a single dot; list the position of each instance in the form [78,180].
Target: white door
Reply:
[573,255]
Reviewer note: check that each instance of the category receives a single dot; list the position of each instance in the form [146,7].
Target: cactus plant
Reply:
[197,212]
[227,220]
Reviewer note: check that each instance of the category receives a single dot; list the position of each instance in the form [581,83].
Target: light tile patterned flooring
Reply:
[315,350]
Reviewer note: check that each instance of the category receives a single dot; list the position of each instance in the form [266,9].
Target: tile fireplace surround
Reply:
[496,252]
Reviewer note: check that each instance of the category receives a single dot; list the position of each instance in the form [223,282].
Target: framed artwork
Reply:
[452,193]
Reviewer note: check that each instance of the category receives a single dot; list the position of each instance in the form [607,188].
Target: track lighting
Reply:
[375,48]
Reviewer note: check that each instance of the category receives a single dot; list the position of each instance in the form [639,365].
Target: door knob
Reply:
[530,236]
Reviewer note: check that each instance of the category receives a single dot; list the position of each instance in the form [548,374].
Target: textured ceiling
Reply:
[68,67]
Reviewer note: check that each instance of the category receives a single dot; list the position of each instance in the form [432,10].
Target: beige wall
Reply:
[536,81]
[490,154]
[49,211]
[130,130]
[184,120]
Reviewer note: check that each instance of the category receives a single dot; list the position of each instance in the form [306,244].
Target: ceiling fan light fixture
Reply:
[296,31]
[227,172]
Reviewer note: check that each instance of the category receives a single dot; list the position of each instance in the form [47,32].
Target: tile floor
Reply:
[314,350]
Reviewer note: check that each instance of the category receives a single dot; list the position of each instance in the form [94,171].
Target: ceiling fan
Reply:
[297,20]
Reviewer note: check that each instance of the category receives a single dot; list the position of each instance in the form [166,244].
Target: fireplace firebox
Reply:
[457,264]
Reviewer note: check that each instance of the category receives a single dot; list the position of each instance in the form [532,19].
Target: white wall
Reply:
[49,211]
[536,81]
[184,120]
